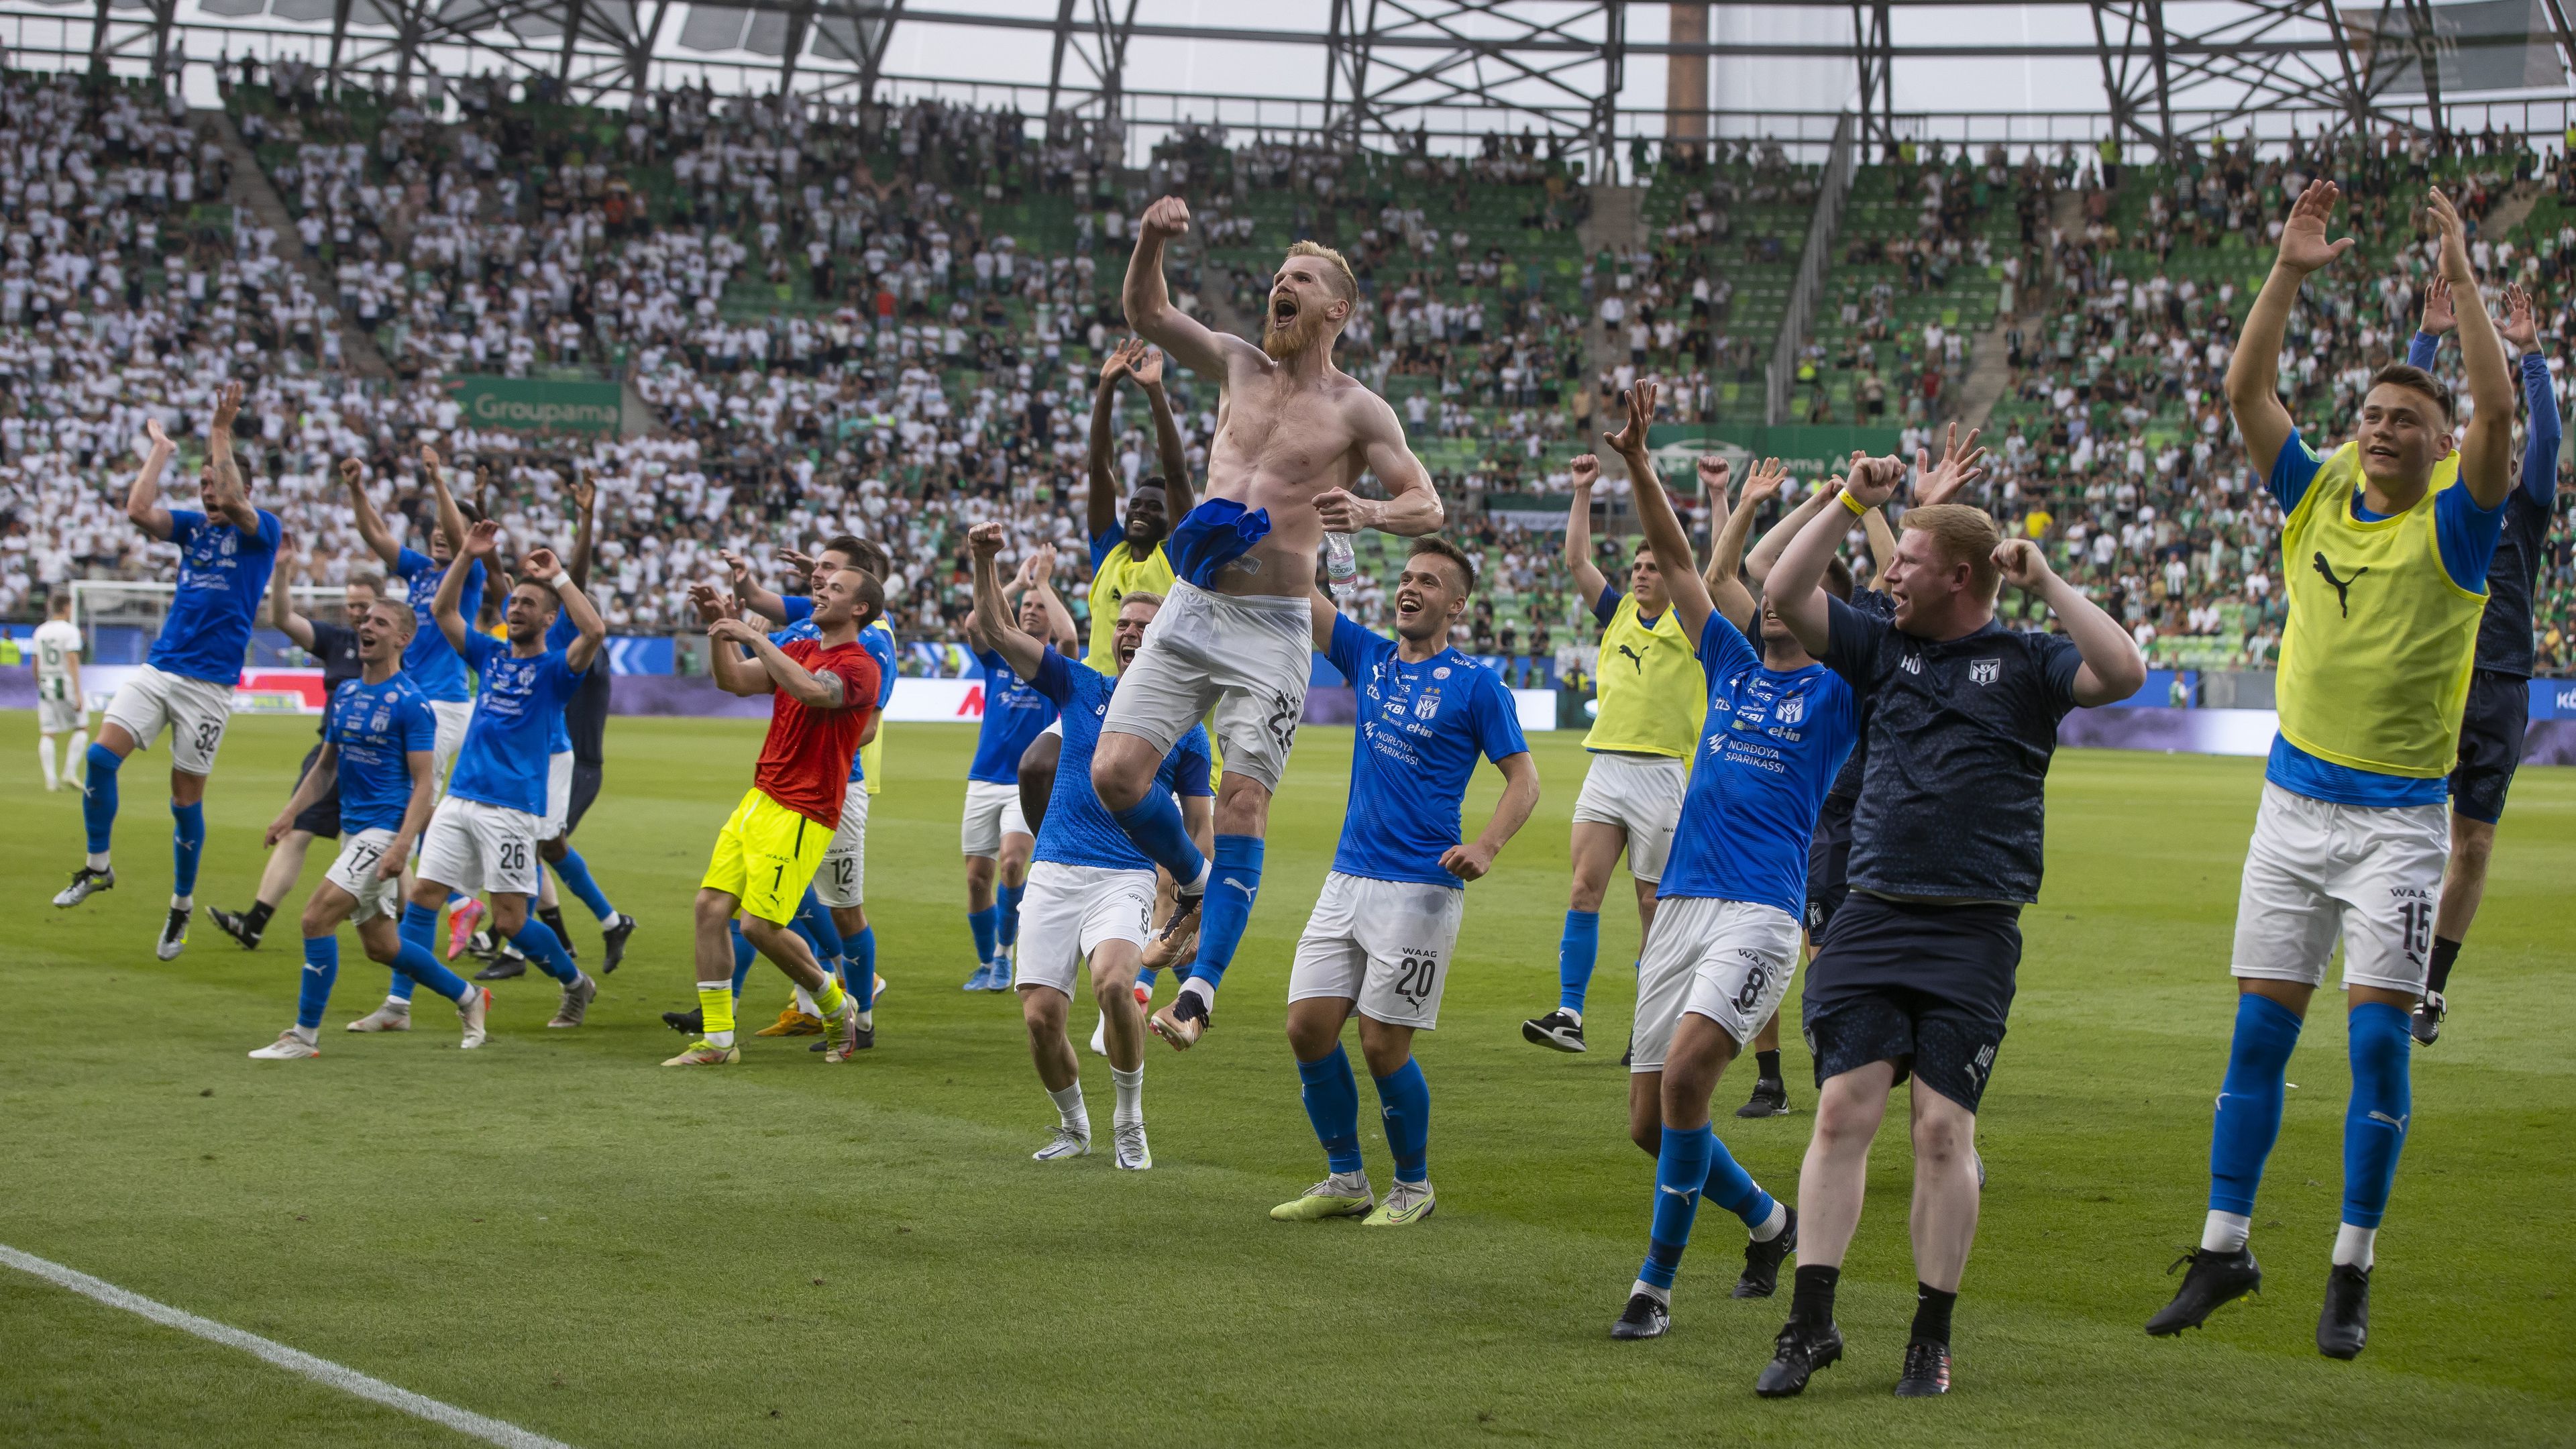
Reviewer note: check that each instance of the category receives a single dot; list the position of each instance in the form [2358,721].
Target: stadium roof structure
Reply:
[1370,72]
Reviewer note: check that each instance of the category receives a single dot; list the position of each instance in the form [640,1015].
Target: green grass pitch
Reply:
[559,1233]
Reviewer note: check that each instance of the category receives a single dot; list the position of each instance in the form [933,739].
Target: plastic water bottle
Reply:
[1341,563]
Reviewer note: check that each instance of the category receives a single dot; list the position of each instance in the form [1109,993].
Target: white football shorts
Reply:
[1729,961]
[2317,871]
[1071,911]
[992,812]
[558,796]
[1641,794]
[195,710]
[842,880]
[474,847]
[1244,657]
[354,871]
[1384,944]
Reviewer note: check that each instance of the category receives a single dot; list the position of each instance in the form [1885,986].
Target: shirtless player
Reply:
[1293,433]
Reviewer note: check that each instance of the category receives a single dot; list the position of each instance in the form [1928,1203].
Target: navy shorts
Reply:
[322,817]
[2491,736]
[585,790]
[1924,987]
[1828,868]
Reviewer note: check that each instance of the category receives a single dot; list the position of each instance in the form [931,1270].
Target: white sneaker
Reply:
[287,1048]
[1064,1142]
[471,1009]
[1133,1155]
[387,1017]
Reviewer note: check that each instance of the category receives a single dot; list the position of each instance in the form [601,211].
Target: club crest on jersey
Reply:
[1792,709]
[1427,706]
[383,719]
[1985,671]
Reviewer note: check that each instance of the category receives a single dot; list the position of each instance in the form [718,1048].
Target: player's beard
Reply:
[1305,330]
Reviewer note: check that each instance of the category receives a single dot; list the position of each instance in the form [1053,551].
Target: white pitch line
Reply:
[320,1370]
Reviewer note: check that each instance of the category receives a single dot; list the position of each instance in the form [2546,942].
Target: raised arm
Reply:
[1520,796]
[2543,427]
[1100,509]
[1664,531]
[1725,575]
[1578,531]
[2426,344]
[451,519]
[281,602]
[747,590]
[2487,444]
[585,498]
[2112,669]
[371,524]
[1766,551]
[732,671]
[542,567]
[232,494]
[143,497]
[1149,301]
[1042,579]
[992,626]
[813,689]
[479,543]
[1175,454]
[1411,507]
[1795,591]
[2254,373]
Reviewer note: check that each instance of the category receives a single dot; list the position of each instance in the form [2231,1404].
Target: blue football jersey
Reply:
[1768,753]
[1421,727]
[377,726]
[1078,829]
[503,759]
[1014,714]
[223,575]
[429,662]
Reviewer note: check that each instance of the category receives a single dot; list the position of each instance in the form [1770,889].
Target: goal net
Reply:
[119,619]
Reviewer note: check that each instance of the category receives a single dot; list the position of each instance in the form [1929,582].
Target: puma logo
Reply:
[1635,658]
[1238,885]
[1684,1195]
[2342,587]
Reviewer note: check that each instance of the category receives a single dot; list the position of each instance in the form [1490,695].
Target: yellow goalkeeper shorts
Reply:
[766,856]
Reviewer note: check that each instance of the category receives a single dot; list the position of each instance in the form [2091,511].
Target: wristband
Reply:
[1858,508]
[561,582]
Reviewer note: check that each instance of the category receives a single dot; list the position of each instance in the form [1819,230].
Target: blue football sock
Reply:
[574,872]
[187,844]
[1732,1188]
[2374,1124]
[1333,1105]
[987,925]
[415,963]
[321,968]
[1155,827]
[457,897]
[820,928]
[742,954]
[1404,1099]
[2249,1102]
[1681,1174]
[1147,976]
[1008,899]
[1230,894]
[98,800]
[540,945]
[419,928]
[830,961]
[862,975]
[1575,952]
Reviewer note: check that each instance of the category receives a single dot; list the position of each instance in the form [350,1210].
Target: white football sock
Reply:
[45,753]
[720,1038]
[805,1002]
[1198,987]
[2355,1246]
[97,860]
[310,1036]
[1663,1296]
[76,758]
[1772,1225]
[183,903]
[2224,1232]
[1571,1013]
[1131,1095]
[1070,1111]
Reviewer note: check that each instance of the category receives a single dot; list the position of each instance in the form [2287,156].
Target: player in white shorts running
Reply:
[377,739]
[1091,891]
[61,707]
[1650,693]
[1293,433]
[1382,933]
[1717,960]
[186,682]
[484,835]
[994,834]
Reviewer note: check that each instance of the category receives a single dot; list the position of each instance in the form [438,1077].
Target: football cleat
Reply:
[2344,1326]
[1770,1099]
[472,1009]
[85,882]
[388,1017]
[1644,1317]
[1133,1155]
[174,934]
[236,926]
[460,926]
[1183,1022]
[793,1022]
[1761,1275]
[507,965]
[612,943]
[1795,1355]
[575,1003]
[289,1047]
[692,1022]
[1332,1198]
[706,1054]
[1062,1143]
[852,1037]
[1927,1371]
[1559,1030]
[2214,1279]
[2426,1021]
[1184,923]
[1406,1203]
[981,979]
[1000,980]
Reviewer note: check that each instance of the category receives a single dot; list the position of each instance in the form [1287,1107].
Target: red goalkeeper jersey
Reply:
[805,762]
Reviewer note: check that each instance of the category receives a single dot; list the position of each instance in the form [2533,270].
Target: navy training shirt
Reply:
[1421,727]
[1953,802]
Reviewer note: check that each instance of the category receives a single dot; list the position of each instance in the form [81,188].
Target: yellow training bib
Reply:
[1120,573]
[1653,693]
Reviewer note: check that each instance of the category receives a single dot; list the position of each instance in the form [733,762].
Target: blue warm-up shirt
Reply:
[1014,714]
[1421,727]
[377,726]
[223,574]
[1768,754]
[429,662]
[503,759]
[1078,829]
